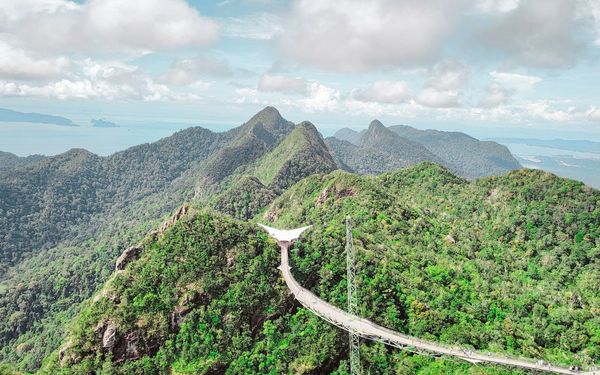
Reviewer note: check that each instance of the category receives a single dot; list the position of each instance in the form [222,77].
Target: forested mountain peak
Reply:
[76,153]
[243,146]
[462,263]
[348,135]
[379,137]
[302,153]
[375,133]
[75,160]
[270,120]
[376,125]
[310,131]
[9,161]
[462,154]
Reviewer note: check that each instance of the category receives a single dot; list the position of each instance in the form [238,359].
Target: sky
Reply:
[491,68]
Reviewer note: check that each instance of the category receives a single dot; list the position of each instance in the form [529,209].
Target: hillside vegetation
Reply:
[505,264]
[66,218]
[10,161]
[379,149]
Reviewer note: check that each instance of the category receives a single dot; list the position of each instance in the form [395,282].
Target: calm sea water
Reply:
[25,139]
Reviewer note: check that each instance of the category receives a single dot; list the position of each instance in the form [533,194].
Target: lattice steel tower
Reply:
[352,297]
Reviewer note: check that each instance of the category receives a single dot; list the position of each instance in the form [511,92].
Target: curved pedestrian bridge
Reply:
[369,330]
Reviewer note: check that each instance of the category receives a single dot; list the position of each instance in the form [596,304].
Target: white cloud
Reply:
[105,80]
[442,88]
[491,6]
[408,109]
[356,35]
[280,83]
[320,98]
[538,33]
[19,64]
[113,71]
[106,25]
[66,89]
[593,114]
[188,71]
[448,75]
[432,97]
[246,95]
[14,11]
[515,81]
[594,11]
[495,96]
[261,26]
[544,110]
[157,92]
[42,41]
[383,92]
[88,89]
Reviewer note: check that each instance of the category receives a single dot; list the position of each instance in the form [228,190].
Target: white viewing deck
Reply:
[369,330]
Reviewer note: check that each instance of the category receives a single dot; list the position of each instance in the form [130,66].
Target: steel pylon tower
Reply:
[352,298]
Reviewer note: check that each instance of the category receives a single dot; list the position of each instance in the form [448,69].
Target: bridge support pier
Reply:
[354,338]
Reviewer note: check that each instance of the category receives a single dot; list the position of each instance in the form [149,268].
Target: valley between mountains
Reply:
[456,243]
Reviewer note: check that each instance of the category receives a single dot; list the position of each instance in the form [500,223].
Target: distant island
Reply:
[8,115]
[103,123]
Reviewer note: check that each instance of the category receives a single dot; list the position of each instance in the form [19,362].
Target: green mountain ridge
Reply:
[98,206]
[302,152]
[251,141]
[10,161]
[502,264]
[459,152]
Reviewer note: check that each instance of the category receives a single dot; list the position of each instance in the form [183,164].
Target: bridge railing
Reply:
[341,318]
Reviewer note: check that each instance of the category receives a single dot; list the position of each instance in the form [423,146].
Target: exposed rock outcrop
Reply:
[130,254]
[181,212]
[322,197]
[188,302]
[343,193]
[65,356]
[109,337]
[128,347]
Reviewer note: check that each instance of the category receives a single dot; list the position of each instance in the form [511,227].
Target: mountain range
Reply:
[437,257]
[65,219]
[379,149]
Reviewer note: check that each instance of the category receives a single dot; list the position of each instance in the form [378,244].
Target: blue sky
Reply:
[519,68]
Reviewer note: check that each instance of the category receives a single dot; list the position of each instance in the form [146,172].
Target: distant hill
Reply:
[254,185]
[103,123]
[8,115]
[462,154]
[504,264]
[302,153]
[246,144]
[9,161]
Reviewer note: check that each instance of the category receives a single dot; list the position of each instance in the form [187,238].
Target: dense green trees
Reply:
[65,219]
[506,264]
[45,203]
[9,161]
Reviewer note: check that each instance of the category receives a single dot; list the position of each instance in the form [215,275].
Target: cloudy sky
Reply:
[488,67]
